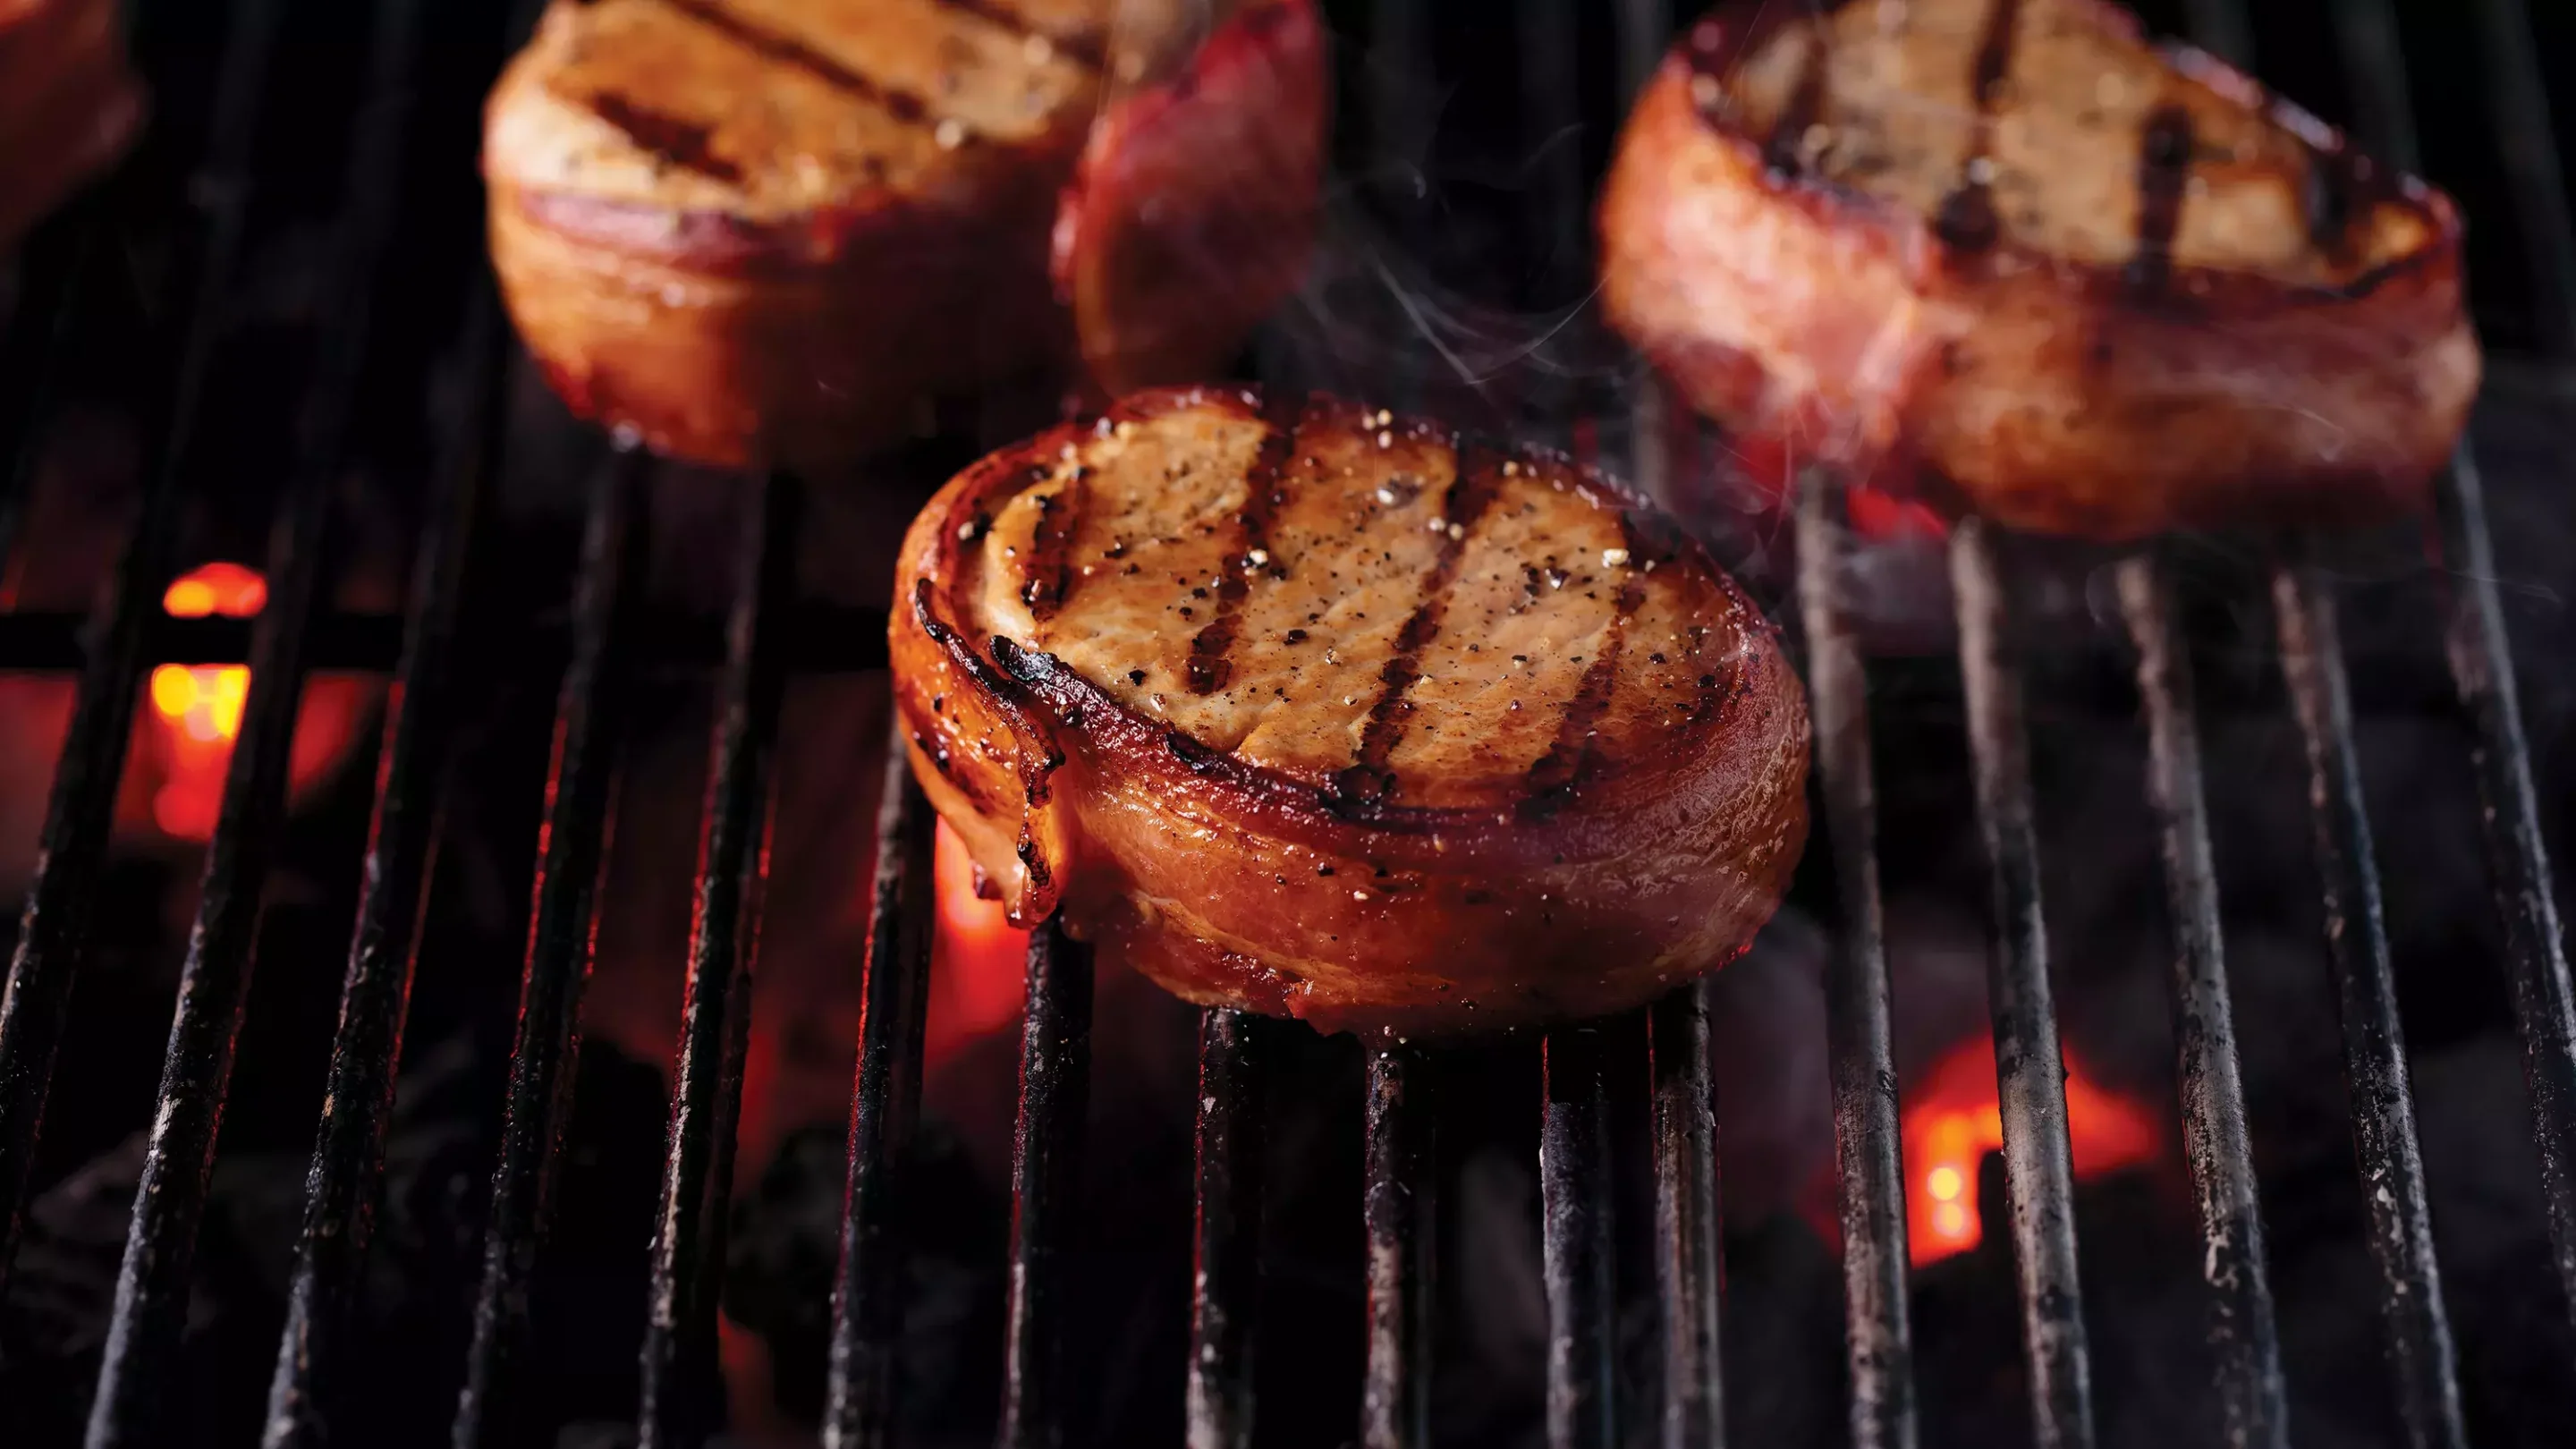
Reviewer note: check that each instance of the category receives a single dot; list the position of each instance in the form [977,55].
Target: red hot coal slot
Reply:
[1310,709]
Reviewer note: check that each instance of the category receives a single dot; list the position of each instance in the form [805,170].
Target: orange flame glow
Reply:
[1953,1121]
[979,960]
[199,711]
[201,706]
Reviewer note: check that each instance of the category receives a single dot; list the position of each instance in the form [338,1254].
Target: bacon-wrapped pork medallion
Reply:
[2008,251]
[776,230]
[1315,710]
[68,105]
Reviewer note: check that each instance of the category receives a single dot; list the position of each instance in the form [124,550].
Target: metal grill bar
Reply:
[346,1177]
[1860,1051]
[1399,1209]
[2217,1146]
[2383,1107]
[1574,1201]
[1226,1285]
[1690,1264]
[2215,1139]
[867,1301]
[81,810]
[1046,1169]
[681,1400]
[2481,654]
[2030,1075]
[572,858]
[2544,1006]
[214,984]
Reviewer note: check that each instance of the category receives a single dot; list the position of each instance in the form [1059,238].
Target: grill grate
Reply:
[769,634]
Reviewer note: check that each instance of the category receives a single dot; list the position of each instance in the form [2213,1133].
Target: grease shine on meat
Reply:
[2008,252]
[775,231]
[1322,712]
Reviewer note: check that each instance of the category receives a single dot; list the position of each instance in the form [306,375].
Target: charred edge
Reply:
[1368,781]
[1967,220]
[670,140]
[902,105]
[1211,649]
[1806,107]
[2164,170]
[992,680]
[1029,668]
[1088,49]
[1047,580]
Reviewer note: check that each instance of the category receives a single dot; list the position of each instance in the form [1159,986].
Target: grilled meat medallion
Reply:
[2071,282]
[776,230]
[1327,713]
[68,104]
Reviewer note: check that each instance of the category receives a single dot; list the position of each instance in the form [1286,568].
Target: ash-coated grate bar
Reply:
[1575,1237]
[1690,1264]
[71,850]
[1226,1269]
[2481,654]
[1046,1177]
[152,1285]
[2217,1145]
[572,860]
[347,1173]
[867,1304]
[682,1397]
[2383,1105]
[1399,1207]
[2030,1074]
[1860,1046]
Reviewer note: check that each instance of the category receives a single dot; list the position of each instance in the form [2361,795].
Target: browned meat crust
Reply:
[2075,284]
[1328,713]
[777,230]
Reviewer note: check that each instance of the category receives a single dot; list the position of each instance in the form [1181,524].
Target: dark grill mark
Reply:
[1806,106]
[1047,579]
[788,51]
[1967,220]
[673,141]
[1211,649]
[2164,170]
[1368,781]
[1553,780]
[1085,49]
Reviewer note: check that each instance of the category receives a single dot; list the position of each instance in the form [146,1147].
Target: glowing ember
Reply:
[202,705]
[1953,1121]
[979,960]
[200,710]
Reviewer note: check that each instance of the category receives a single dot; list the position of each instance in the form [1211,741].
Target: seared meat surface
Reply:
[68,105]
[1315,710]
[776,230]
[2008,250]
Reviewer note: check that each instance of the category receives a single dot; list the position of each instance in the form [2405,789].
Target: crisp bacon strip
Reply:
[1326,713]
[2008,254]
